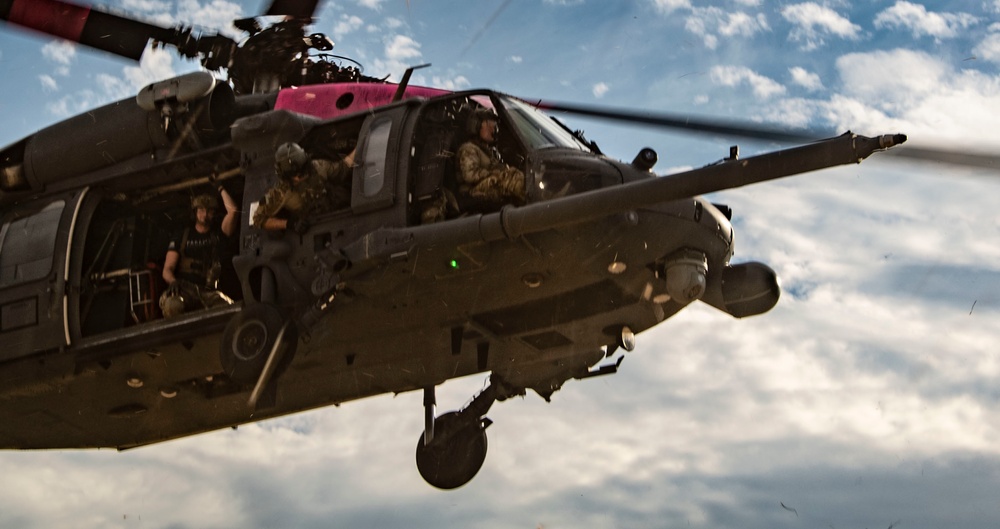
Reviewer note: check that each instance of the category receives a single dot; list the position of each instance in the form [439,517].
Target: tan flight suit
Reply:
[482,175]
[326,187]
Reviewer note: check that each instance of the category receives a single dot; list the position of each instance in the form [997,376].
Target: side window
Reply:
[375,156]
[27,244]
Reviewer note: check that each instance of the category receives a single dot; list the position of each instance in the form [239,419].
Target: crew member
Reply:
[482,174]
[193,262]
[306,186]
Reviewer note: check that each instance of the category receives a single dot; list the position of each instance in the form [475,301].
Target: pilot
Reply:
[482,174]
[306,186]
[193,262]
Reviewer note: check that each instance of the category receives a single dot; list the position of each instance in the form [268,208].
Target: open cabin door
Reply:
[34,252]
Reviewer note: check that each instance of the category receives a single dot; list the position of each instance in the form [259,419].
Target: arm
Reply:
[270,205]
[169,265]
[230,221]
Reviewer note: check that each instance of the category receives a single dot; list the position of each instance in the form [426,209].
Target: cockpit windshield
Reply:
[538,130]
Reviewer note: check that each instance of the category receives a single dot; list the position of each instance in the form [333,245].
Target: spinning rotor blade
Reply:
[949,157]
[676,121]
[121,36]
[763,132]
[103,31]
[293,8]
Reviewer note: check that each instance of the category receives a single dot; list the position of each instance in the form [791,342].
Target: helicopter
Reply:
[369,299]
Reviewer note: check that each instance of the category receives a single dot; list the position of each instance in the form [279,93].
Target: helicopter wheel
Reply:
[248,340]
[455,455]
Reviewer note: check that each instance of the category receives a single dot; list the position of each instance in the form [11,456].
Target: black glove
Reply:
[174,289]
[300,226]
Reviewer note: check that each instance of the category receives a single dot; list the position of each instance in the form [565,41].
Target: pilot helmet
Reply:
[289,159]
[206,201]
[477,118]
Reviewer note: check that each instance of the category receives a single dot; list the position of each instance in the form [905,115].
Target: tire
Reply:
[456,454]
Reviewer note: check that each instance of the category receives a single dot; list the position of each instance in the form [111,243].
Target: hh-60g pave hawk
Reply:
[373,297]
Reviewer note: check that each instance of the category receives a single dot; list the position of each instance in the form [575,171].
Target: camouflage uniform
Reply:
[482,175]
[325,187]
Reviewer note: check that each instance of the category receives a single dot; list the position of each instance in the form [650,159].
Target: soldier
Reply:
[481,172]
[306,186]
[193,262]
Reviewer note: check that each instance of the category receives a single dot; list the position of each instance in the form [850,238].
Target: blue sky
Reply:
[867,397]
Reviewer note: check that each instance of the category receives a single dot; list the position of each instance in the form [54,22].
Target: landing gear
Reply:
[452,448]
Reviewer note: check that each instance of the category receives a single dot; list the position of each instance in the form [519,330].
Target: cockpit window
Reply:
[27,244]
[538,130]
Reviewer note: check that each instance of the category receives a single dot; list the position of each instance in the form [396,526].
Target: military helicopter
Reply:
[368,299]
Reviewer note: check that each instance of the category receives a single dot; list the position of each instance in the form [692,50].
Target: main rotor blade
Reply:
[949,157]
[293,8]
[90,27]
[676,121]
[763,132]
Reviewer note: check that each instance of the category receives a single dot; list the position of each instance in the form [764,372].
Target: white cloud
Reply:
[813,22]
[347,24]
[920,22]
[916,93]
[156,65]
[400,53]
[516,59]
[667,7]
[734,76]
[454,83]
[805,78]
[61,52]
[600,89]
[710,23]
[216,14]
[989,48]
[48,83]
[371,4]
[402,47]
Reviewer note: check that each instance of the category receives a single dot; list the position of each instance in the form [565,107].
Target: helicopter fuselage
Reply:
[380,300]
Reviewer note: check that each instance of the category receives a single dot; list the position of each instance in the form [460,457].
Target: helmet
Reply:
[289,159]
[204,201]
[478,116]
[171,305]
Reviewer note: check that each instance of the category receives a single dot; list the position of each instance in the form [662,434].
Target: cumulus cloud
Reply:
[371,4]
[451,83]
[735,76]
[156,65]
[600,89]
[710,23]
[667,7]
[920,22]
[989,48]
[805,78]
[400,53]
[61,52]
[346,24]
[48,83]
[917,93]
[813,22]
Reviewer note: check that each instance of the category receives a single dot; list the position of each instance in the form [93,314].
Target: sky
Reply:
[868,398]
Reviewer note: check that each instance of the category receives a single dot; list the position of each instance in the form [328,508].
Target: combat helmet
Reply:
[206,201]
[289,159]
